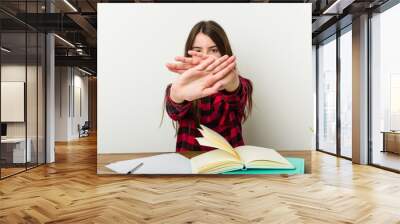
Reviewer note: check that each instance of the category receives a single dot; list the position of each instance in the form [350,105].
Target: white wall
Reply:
[271,41]
[80,83]
[67,80]
[61,103]
[18,73]
[33,127]
[314,84]
[12,101]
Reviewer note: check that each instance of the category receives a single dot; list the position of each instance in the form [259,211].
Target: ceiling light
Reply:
[338,6]
[5,50]
[84,71]
[70,5]
[64,40]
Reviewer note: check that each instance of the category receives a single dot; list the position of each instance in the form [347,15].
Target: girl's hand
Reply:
[185,63]
[230,82]
[202,80]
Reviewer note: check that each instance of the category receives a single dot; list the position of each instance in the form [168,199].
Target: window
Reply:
[327,96]
[385,88]
[346,93]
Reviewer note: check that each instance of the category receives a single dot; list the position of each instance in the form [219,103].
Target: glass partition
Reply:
[22,77]
[385,89]
[327,96]
[346,93]
[14,153]
[32,95]
[41,97]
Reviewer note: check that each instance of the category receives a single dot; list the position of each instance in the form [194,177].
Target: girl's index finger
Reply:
[184,59]
[170,65]
[204,64]
[187,60]
[197,54]
[179,66]
[217,62]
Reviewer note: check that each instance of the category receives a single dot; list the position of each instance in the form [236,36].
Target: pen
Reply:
[135,168]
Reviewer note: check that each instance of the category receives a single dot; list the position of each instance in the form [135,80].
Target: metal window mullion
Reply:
[317,96]
[45,93]
[338,98]
[37,90]
[26,87]
[0,98]
[369,89]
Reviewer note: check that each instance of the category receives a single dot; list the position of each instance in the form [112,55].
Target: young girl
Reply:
[208,89]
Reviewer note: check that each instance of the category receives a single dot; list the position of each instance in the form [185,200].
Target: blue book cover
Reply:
[298,163]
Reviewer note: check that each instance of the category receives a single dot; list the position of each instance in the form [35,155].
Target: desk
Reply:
[391,142]
[104,159]
[16,153]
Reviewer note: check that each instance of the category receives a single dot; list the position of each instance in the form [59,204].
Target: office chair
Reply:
[84,130]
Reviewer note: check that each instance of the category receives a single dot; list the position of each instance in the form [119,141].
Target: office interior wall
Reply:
[92,107]
[15,72]
[62,80]
[314,84]
[275,56]
[35,106]
[80,110]
[12,98]
[69,83]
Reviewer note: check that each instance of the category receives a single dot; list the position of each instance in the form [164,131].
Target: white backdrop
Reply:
[12,101]
[271,41]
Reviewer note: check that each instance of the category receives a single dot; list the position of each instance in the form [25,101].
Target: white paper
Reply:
[169,163]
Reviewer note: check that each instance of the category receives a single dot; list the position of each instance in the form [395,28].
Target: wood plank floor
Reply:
[69,191]
[387,159]
[10,171]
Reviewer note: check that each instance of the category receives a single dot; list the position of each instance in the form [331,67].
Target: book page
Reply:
[168,163]
[205,142]
[258,157]
[212,160]
[216,140]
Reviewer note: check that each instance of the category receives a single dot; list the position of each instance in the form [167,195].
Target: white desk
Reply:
[19,149]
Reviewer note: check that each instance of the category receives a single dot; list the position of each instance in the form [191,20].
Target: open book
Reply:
[226,158]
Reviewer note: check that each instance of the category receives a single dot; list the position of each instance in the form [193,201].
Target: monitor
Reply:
[3,129]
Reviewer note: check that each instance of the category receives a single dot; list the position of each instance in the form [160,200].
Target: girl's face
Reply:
[204,44]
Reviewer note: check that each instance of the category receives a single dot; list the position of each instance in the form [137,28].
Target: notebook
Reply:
[168,163]
[174,163]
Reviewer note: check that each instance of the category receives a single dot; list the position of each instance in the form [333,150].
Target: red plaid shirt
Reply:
[223,112]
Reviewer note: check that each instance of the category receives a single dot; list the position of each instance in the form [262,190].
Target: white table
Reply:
[19,149]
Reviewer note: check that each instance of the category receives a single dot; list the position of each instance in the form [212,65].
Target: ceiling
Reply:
[76,22]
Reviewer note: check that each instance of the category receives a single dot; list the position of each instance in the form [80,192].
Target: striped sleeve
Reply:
[176,110]
[237,99]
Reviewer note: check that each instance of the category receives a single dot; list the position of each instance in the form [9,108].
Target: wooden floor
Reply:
[5,172]
[387,159]
[69,191]
[10,171]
